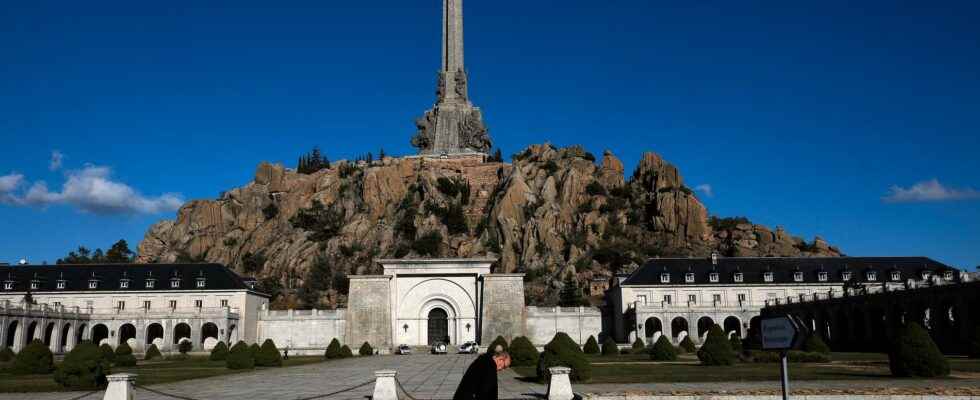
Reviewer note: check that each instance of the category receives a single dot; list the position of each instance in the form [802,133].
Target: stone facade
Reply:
[369,312]
[303,332]
[503,307]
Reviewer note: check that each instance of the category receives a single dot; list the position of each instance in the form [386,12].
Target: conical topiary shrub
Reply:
[108,353]
[6,354]
[523,353]
[84,367]
[333,350]
[609,348]
[688,345]
[814,344]
[345,352]
[974,351]
[36,358]
[913,353]
[638,346]
[124,355]
[736,343]
[268,355]
[366,350]
[219,352]
[591,346]
[152,352]
[254,349]
[716,350]
[662,350]
[499,341]
[240,357]
[562,351]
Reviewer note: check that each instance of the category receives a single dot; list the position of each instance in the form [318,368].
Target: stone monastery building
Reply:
[422,301]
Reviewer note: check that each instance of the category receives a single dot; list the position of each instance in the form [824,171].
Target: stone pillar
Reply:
[559,387]
[503,307]
[55,337]
[368,316]
[385,387]
[196,329]
[120,387]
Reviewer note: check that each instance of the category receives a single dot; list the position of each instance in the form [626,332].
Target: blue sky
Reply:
[856,122]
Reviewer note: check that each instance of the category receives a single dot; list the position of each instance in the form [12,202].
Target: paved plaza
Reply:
[435,377]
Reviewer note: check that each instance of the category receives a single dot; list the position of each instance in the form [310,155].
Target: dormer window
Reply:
[925,275]
[798,276]
[689,277]
[62,283]
[201,283]
[174,283]
[664,278]
[767,276]
[822,276]
[872,276]
[948,275]
[124,284]
[713,277]
[93,284]
[845,276]
[35,284]
[896,276]
[8,285]
[739,277]
[151,283]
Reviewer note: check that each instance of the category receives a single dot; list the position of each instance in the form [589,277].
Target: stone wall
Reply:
[503,307]
[303,332]
[368,316]
[578,322]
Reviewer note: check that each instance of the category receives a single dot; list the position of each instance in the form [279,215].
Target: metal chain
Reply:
[409,396]
[164,394]
[320,396]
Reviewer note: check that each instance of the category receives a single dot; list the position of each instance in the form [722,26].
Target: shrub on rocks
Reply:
[219,352]
[591,346]
[345,352]
[240,357]
[366,350]
[108,353]
[688,345]
[268,355]
[36,358]
[975,344]
[333,350]
[499,341]
[913,353]
[638,346]
[717,350]
[124,355]
[152,352]
[663,350]
[736,343]
[562,351]
[523,353]
[6,354]
[609,348]
[84,367]
[814,344]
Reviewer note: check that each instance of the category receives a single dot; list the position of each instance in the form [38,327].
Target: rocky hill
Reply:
[551,213]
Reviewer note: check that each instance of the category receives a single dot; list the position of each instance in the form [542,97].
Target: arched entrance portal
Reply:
[438,322]
[11,335]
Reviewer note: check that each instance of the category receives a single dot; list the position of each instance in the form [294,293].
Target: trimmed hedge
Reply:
[688,345]
[124,355]
[366,350]
[345,352]
[639,346]
[36,358]
[84,367]
[663,350]
[759,356]
[523,353]
[152,352]
[254,349]
[499,341]
[240,357]
[562,351]
[268,355]
[591,346]
[814,344]
[913,353]
[716,350]
[219,352]
[609,348]
[108,353]
[333,350]
[975,344]
[6,354]
[736,343]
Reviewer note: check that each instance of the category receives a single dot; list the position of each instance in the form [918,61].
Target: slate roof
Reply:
[753,269]
[109,276]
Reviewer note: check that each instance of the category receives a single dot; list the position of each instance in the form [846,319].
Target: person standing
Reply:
[480,380]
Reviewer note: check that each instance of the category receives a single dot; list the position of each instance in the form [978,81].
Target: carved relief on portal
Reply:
[461,84]
[425,135]
[473,133]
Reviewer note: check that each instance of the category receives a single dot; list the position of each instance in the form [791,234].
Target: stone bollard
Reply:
[560,388]
[120,387]
[384,385]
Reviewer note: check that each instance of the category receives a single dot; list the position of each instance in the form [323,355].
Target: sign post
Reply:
[781,333]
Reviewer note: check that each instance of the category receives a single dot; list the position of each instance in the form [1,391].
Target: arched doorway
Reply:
[438,326]
[154,332]
[209,330]
[733,325]
[31,332]
[231,335]
[652,327]
[80,333]
[704,325]
[99,333]
[678,326]
[65,334]
[49,334]
[126,332]
[181,331]
[11,335]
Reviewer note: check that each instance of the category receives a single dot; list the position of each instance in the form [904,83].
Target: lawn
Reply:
[845,366]
[149,373]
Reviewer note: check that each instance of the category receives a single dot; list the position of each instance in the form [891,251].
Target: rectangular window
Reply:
[739,277]
[713,277]
[896,276]
[667,299]
[150,283]
[124,284]
[772,296]
[822,276]
[93,284]
[200,283]
[872,276]
[224,303]
[798,276]
[689,278]
[642,300]
[57,304]
[34,285]
[61,284]
[198,303]
[692,298]
[89,303]
[146,305]
[845,276]
[173,304]
[767,276]
[716,297]
[121,305]
[664,278]
[741,297]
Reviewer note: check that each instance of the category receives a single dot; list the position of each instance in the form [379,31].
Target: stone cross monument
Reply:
[453,126]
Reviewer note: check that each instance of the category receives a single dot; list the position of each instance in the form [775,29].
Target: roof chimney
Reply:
[23,261]
[714,258]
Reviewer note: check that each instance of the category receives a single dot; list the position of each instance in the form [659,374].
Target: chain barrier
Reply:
[320,396]
[84,395]
[402,388]
[164,394]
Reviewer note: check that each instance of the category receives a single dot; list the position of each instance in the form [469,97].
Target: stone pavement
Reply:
[427,376]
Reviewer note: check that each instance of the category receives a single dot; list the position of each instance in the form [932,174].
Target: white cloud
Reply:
[706,189]
[928,191]
[8,184]
[56,158]
[92,189]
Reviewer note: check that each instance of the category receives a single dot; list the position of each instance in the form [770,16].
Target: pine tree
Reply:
[662,350]
[333,350]
[570,295]
[591,346]
[119,253]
